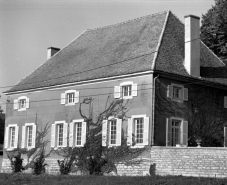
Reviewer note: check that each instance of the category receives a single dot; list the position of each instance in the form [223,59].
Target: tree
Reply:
[93,158]
[213,29]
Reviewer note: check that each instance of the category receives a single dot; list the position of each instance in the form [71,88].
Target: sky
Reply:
[29,27]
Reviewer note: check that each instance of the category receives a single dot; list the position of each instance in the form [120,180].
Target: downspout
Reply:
[153,109]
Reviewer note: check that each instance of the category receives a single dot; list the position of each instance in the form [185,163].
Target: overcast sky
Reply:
[29,27]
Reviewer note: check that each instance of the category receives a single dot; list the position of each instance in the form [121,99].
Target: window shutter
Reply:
[16,136]
[104,133]
[225,102]
[119,128]
[15,104]
[129,136]
[23,137]
[185,133]
[76,97]
[225,136]
[53,130]
[146,131]
[84,132]
[117,92]
[65,134]
[27,103]
[185,94]
[168,132]
[62,98]
[71,133]
[33,136]
[6,141]
[169,91]
[134,89]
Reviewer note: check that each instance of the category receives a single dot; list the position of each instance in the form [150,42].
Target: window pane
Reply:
[12,136]
[60,134]
[78,133]
[139,130]
[127,90]
[29,135]
[22,103]
[70,97]
[176,92]
[175,132]
[113,131]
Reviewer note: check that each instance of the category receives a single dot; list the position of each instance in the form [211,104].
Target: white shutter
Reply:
[146,131]
[184,140]
[23,137]
[63,98]
[33,136]
[84,132]
[76,97]
[185,94]
[225,102]
[104,133]
[169,91]
[71,133]
[6,141]
[119,128]
[168,132]
[134,89]
[15,104]
[65,134]
[53,130]
[129,136]
[16,136]
[117,92]
[27,103]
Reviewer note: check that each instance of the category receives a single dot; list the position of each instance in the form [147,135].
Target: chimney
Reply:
[51,51]
[192,45]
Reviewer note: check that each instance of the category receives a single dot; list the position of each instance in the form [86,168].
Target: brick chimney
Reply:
[192,45]
[51,51]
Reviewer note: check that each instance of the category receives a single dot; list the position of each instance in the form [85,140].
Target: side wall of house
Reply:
[203,111]
[45,106]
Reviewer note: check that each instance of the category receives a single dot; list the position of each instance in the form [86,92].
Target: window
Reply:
[126,90]
[11,136]
[59,134]
[21,104]
[138,130]
[28,136]
[177,92]
[111,132]
[70,97]
[77,133]
[176,132]
[225,101]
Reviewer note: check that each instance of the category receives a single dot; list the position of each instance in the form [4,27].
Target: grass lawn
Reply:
[27,179]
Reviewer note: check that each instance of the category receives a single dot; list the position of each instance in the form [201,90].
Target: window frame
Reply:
[17,103]
[8,134]
[132,91]
[25,136]
[183,92]
[125,84]
[58,133]
[65,97]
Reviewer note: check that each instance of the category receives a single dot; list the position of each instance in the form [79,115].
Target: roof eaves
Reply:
[160,40]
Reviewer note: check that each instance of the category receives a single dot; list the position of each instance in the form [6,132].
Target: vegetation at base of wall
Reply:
[16,163]
[93,158]
[21,178]
[35,156]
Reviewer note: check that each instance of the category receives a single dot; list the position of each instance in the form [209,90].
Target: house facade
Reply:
[155,63]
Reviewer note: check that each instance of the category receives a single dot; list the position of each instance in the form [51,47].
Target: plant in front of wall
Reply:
[93,158]
[16,163]
[38,166]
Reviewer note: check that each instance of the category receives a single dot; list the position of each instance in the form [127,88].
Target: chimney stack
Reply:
[192,45]
[51,51]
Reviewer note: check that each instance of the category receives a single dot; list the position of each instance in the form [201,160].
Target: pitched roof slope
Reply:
[171,56]
[119,49]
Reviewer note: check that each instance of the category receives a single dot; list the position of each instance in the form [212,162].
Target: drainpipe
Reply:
[153,107]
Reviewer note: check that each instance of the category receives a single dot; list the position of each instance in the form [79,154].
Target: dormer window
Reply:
[70,97]
[177,92]
[126,90]
[21,104]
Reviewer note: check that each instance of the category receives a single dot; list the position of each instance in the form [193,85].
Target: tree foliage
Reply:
[214,29]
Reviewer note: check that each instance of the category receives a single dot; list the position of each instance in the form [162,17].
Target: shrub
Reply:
[16,163]
[38,166]
[65,165]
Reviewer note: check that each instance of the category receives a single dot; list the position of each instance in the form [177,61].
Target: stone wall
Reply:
[191,161]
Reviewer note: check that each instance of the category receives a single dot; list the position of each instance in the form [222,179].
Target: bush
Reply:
[65,165]
[16,163]
[38,166]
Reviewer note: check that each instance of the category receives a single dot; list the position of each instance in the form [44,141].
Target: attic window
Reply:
[21,104]
[70,97]
[177,92]
[126,90]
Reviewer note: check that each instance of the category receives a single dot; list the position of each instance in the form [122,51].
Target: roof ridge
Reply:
[128,21]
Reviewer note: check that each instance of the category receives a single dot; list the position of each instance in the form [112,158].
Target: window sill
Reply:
[177,100]
[10,149]
[24,109]
[126,97]
[70,104]
[138,146]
